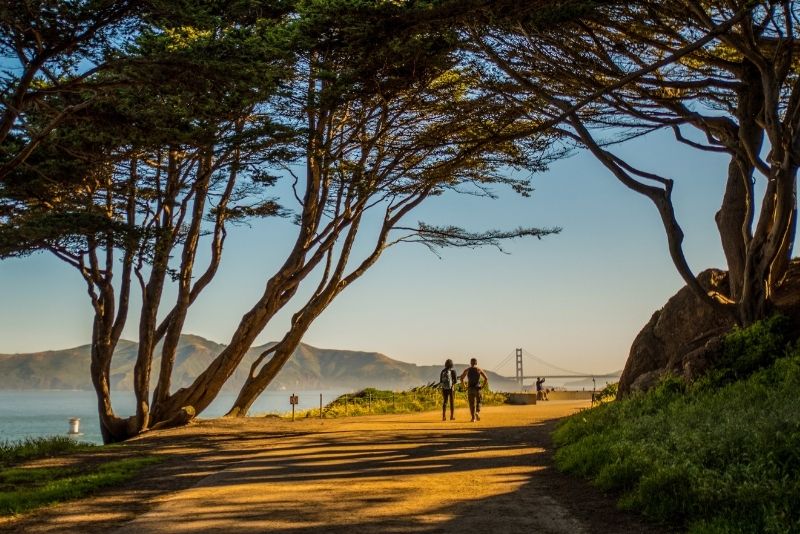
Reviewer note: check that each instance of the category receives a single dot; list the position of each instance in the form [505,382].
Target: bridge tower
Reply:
[519,368]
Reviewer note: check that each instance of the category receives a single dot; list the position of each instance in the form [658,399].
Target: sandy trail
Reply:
[387,474]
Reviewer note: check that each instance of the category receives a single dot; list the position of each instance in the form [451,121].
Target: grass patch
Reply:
[372,401]
[15,452]
[25,488]
[720,455]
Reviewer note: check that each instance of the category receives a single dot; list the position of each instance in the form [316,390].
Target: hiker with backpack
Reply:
[447,380]
[473,374]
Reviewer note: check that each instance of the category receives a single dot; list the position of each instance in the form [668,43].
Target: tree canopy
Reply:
[722,76]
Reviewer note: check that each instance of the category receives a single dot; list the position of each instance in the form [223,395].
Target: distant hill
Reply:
[309,368]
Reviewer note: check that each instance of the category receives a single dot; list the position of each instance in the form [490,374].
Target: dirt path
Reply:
[387,474]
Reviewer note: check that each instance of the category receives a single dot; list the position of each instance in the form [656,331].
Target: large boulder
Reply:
[787,296]
[684,337]
[681,338]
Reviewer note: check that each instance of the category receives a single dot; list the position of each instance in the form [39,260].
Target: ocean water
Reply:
[38,413]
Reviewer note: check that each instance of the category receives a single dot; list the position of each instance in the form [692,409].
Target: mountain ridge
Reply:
[309,368]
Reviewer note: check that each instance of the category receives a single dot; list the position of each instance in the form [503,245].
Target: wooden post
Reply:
[345,404]
[293,401]
[320,405]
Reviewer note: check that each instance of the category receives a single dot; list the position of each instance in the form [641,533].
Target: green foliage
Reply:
[188,80]
[369,44]
[724,459]
[15,452]
[23,489]
[608,393]
[371,401]
[747,350]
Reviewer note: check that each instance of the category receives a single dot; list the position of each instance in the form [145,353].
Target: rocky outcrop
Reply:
[684,337]
[681,338]
[787,296]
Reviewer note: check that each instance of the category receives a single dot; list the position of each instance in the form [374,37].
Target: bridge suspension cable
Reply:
[506,360]
[557,368]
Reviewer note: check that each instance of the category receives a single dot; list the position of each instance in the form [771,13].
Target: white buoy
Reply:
[74,425]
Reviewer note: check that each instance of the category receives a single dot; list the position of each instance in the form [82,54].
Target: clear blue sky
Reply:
[576,299]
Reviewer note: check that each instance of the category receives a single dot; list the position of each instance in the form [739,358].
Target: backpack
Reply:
[473,377]
[447,380]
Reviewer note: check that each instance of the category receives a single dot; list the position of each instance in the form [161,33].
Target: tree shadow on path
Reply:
[425,480]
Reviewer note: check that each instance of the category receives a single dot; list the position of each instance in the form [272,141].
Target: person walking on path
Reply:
[473,374]
[447,379]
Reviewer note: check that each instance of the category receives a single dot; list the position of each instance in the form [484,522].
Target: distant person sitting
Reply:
[473,375]
[447,380]
[541,394]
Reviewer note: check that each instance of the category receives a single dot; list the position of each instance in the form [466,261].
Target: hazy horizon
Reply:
[509,366]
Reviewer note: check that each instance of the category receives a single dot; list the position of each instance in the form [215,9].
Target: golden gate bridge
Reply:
[544,369]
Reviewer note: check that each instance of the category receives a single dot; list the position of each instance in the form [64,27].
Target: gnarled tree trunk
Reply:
[735,216]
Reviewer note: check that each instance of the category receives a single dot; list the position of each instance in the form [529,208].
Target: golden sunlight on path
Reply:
[398,474]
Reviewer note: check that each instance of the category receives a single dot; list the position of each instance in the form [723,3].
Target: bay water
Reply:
[39,413]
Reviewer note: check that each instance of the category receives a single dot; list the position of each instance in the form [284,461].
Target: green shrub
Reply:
[750,349]
[371,401]
[710,459]
[608,393]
